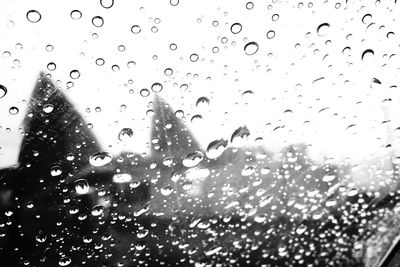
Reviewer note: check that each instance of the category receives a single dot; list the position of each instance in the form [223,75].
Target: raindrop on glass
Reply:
[51,66]
[33,16]
[236,28]
[97,21]
[194,57]
[48,108]
[167,190]
[156,87]
[270,34]
[251,48]
[135,29]
[75,74]
[76,14]
[193,159]
[144,92]
[100,159]
[216,148]
[81,186]
[3,91]
[107,3]
[13,110]
[125,134]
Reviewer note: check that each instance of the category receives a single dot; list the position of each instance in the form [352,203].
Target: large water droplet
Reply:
[74,74]
[193,159]
[76,14]
[122,178]
[216,148]
[3,91]
[367,52]
[251,48]
[174,2]
[65,261]
[81,186]
[41,237]
[33,16]
[13,110]
[202,101]
[144,92]
[194,57]
[156,87]
[135,29]
[48,108]
[97,210]
[56,171]
[322,29]
[100,159]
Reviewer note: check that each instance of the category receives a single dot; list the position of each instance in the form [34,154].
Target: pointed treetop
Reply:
[53,128]
[169,135]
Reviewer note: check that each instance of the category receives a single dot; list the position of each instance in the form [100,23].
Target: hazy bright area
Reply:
[324,74]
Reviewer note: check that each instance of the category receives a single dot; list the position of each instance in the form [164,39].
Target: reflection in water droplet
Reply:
[76,14]
[167,190]
[156,87]
[251,48]
[100,159]
[33,16]
[144,92]
[81,186]
[107,3]
[48,108]
[216,148]
[236,28]
[75,74]
[97,21]
[193,159]
[3,91]
[13,110]
[135,29]
[125,134]
[366,52]
[322,28]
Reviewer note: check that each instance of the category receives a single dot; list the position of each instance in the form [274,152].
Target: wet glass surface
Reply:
[199,133]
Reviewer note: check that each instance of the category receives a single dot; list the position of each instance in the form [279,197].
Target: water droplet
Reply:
[301,229]
[322,28]
[33,16]
[168,71]
[134,184]
[365,18]
[144,92]
[13,110]
[167,190]
[248,170]
[97,210]
[76,14]
[216,148]
[100,159]
[251,48]
[194,57]
[49,48]
[3,91]
[121,48]
[115,67]
[100,62]
[270,34]
[167,161]
[236,28]
[125,134]
[174,2]
[196,118]
[107,3]
[97,21]
[55,171]
[366,52]
[131,64]
[122,178]
[173,46]
[240,136]
[187,185]
[65,261]
[81,186]
[156,87]
[41,237]
[202,101]
[249,5]
[135,29]
[75,74]
[193,159]
[352,192]
[328,178]
[275,17]
[48,108]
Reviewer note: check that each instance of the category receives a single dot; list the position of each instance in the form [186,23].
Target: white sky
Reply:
[287,85]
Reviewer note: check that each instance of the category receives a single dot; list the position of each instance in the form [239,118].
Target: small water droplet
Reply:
[156,87]
[167,190]
[249,5]
[240,136]
[100,159]
[76,14]
[322,28]
[41,237]
[144,92]
[48,108]
[55,171]
[65,261]
[100,62]
[97,21]
[173,46]
[275,17]
[367,52]
[75,74]
[202,101]
[251,48]
[216,148]
[193,159]
[134,184]
[3,91]
[49,48]
[135,29]
[174,2]
[33,16]
[270,34]
[97,210]
[107,3]
[236,28]
[81,186]
[168,71]
[13,110]
[194,57]
[125,134]
[196,118]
